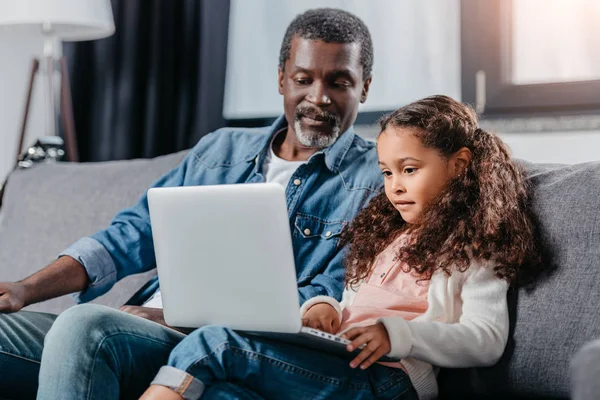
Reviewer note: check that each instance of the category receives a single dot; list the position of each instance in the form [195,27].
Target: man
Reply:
[329,173]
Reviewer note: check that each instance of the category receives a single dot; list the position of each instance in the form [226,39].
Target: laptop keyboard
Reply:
[325,335]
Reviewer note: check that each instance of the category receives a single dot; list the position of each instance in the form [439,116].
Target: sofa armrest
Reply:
[585,372]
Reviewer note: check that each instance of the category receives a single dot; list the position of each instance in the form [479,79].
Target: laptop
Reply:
[224,257]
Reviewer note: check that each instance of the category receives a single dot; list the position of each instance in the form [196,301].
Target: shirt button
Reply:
[297,182]
[307,231]
[328,233]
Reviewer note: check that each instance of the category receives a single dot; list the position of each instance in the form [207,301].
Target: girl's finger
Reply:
[354,332]
[360,340]
[363,355]
[380,352]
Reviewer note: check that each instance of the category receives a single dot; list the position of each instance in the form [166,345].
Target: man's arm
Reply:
[92,265]
[63,276]
[125,247]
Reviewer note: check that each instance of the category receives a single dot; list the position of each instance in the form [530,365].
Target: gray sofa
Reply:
[50,206]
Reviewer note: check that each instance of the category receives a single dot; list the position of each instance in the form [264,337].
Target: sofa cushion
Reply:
[584,372]
[49,206]
[553,319]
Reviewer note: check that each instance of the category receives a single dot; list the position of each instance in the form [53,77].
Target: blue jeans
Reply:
[211,356]
[21,344]
[88,352]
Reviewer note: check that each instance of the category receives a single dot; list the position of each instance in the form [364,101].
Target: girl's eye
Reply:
[410,171]
[386,173]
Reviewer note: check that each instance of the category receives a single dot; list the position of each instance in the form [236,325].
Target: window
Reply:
[530,56]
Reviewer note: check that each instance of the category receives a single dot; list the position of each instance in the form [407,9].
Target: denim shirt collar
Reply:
[334,154]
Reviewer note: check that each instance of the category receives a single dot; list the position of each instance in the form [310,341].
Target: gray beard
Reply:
[316,140]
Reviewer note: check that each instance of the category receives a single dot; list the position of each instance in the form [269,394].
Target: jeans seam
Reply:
[286,366]
[104,339]
[20,356]
[112,354]
[201,359]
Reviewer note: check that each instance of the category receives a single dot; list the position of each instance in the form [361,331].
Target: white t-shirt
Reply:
[275,170]
[279,170]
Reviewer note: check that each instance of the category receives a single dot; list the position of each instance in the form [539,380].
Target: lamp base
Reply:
[45,149]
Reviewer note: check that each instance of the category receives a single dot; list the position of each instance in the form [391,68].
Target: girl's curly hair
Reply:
[483,214]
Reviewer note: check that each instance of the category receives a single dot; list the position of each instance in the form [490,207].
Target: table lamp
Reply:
[56,21]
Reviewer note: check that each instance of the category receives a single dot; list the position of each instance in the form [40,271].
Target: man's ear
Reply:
[280,75]
[462,159]
[365,90]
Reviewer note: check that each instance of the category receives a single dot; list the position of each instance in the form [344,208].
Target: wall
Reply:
[555,147]
[570,147]
[417,53]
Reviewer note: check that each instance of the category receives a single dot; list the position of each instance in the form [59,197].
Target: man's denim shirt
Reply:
[323,196]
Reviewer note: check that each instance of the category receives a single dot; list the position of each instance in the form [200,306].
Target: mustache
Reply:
[315,113]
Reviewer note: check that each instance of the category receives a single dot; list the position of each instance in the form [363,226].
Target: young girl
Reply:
[428,267]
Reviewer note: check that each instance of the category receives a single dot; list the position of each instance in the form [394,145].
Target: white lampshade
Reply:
[69,20]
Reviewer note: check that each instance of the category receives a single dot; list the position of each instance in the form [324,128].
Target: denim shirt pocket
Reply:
[310,227]
[315,243]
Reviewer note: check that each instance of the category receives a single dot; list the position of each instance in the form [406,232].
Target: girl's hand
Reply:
[322,316]
[376,341]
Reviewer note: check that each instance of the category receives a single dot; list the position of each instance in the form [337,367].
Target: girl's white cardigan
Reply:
[465,325]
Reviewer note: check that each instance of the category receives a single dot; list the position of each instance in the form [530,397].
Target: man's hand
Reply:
[12,297]
[322,316]
[377,342]
[151,314]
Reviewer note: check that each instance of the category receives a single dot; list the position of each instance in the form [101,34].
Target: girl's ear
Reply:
[461,160]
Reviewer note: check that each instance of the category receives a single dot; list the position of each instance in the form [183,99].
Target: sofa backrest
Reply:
[552,320]
[49,206]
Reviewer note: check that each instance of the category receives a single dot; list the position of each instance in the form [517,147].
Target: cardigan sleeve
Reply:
[477,339]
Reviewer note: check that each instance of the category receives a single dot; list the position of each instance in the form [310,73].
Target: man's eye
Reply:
[344,84]
[301,81]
